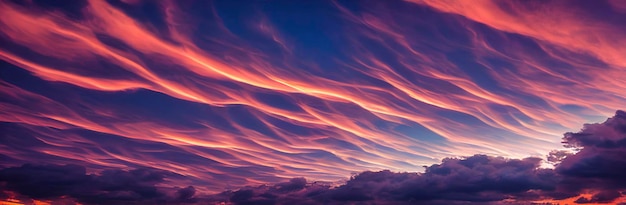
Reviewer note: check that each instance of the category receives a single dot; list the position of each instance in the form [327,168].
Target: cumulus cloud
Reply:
[598,169]
[110,186]
[600,164]
[478,178]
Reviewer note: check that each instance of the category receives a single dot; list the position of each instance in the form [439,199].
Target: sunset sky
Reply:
[118,101]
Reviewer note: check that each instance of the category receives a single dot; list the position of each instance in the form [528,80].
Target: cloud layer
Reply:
[227,95]
[598,168]
[51,182]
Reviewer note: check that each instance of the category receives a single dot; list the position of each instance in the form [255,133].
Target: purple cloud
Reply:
[600,163]
[478,178]
[599,168]
[50,182]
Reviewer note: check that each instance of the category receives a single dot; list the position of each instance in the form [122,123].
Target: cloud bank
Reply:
[52,182]
[598,170]
[599,167]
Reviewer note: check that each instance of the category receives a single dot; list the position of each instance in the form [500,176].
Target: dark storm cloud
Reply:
[110,186]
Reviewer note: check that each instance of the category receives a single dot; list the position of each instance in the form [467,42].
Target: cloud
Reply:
[282,114]
[551,21]
[596,173]
[478,178]
[602,197]
[110,186]
[598,168]
[600,163]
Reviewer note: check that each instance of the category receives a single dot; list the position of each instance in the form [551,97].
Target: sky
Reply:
[273,102]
